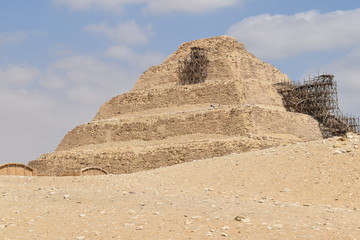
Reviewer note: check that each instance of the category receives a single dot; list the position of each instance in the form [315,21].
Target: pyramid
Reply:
[161,123]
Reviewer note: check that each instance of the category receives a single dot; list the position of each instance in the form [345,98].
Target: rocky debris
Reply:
[239,218]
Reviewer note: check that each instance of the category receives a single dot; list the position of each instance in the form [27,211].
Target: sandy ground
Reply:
[302,191]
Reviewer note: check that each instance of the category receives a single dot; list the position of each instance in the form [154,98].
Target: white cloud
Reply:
[85,78]
[154,6]
[281,36]
[68,93]
[194,6]
[140,60]
[128,32]
[115,6]
[347,72]
[18,75]
[12,37]
[18,36]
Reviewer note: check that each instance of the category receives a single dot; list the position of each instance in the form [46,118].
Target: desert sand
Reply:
[308,190]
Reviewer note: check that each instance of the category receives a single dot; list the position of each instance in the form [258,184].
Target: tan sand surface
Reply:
[306,190]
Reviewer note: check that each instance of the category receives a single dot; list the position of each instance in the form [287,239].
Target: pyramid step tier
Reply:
[216,92]
[228,121]
[134,156]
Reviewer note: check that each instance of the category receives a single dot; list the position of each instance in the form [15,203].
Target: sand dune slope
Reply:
[303,191]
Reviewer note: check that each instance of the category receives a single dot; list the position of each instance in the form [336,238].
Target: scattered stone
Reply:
[338,151]
[51,193]
[140,228]
[80,238]
[82,215]
[129,224]
[225,228]
[278,225]
[131,212]
[224,235]
[239,218]
[66,197]
[188,222]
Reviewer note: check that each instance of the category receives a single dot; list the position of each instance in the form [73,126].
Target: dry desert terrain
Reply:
[308,190]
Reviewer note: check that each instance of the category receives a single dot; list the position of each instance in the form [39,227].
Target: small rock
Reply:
[131,212]
[140,228]
[224,235]
[156,213]
[278,225]
[338,151]
[225,228]
[238,218]
[188,222]
[337,145]
[96,233]
[80,238]
[82,215]
[51,193]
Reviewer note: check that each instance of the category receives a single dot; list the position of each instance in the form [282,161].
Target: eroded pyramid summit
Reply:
[161,122]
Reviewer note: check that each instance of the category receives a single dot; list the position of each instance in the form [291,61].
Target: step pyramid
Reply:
[160,122]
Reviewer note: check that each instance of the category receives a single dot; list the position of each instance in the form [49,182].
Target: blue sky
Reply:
[61,59]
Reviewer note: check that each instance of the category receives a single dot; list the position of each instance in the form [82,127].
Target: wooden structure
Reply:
[194,68]
[318,97]
[88,171]
[17,169]
[92,171]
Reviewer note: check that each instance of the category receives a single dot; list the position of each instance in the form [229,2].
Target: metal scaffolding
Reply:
[194,68]
[318,97]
